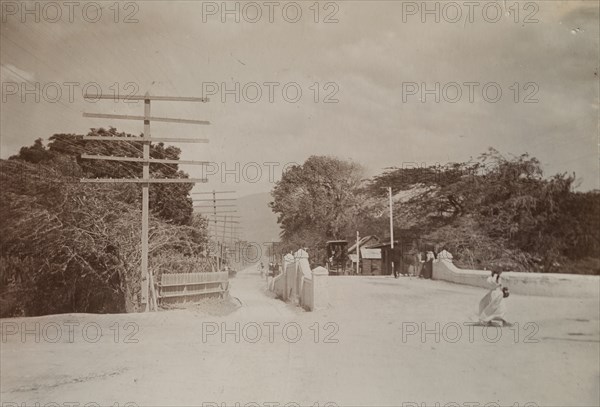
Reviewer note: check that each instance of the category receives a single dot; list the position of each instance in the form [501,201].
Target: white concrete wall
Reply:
[307,294]
[299,283]
[320,296]
[278,284]
[283,284]
[302,271]
[543,284]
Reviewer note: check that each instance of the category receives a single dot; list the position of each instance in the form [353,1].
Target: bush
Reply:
[73,247]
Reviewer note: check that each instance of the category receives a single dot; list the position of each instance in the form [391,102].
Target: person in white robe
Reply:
[492,307]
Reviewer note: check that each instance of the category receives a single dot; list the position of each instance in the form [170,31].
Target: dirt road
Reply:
[367,349]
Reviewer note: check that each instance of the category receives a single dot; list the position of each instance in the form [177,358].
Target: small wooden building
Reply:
[370,261]
[387,256]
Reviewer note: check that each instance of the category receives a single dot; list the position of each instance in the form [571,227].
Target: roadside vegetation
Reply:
[75,247]
[491,211]
[68,246]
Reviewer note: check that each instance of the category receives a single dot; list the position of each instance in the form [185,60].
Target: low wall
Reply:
[543,284]
[278,284]
[298,283]
[283,284]
[307,295]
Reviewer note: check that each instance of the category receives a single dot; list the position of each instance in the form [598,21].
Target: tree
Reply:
[315,201]
[519,217]
[35,153]
[170,202]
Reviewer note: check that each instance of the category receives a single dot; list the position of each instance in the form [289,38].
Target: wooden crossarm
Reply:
[210,206]
[142,160]
[213,192]
[147,97]
[210,213]
[144,118]
[147,139]
[145,181]
[213,200]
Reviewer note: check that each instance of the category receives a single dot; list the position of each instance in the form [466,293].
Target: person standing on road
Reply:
[419,261]
[427,271]
[396,264]
[492,307]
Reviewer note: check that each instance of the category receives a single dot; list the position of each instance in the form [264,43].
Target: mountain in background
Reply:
[258,222]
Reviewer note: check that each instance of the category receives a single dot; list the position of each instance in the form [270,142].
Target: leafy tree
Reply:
[490,211]
[522,219]
[315,201]
[35,153]
[170,202]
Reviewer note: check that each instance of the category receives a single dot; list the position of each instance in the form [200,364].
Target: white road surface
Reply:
[381,342]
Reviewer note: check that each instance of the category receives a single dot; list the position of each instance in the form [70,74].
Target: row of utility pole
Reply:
[218,205]
[149,299]
[213,208]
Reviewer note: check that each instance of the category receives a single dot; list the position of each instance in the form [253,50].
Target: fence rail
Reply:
[185,286]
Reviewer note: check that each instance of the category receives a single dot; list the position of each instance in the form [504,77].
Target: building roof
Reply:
[365,242]
[370,254]
[385,244]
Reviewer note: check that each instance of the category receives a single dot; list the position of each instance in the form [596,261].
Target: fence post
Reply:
[302,269]
[288,261]
[320,289]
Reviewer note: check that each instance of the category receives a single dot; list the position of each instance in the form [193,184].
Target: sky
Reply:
[353,79]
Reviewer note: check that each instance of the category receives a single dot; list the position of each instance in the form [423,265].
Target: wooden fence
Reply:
[183,287]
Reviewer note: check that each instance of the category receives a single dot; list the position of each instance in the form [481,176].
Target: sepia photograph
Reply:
[310,203]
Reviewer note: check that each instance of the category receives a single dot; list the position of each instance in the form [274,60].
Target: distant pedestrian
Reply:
[427,271]
[419,261]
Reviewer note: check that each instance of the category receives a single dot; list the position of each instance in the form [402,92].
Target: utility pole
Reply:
[357,253]
[223,245]
[392,228]
[146,278]
[231,232]
[146,202]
